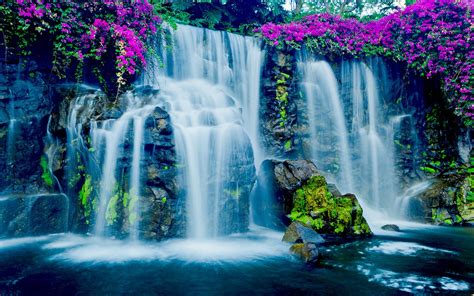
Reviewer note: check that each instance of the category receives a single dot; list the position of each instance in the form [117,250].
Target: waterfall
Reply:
[111,135]
[51,146]
[325,111]
[211,87]
[12,131]
[102,162]
[352,133]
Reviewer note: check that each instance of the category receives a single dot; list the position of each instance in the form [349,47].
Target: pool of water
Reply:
[420,260]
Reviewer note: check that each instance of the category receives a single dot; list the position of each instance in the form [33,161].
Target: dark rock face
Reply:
[33,214]
[159,210]
[163,211]
[25,105]
[299,233]
[276,183]
[448,201]
[280,134]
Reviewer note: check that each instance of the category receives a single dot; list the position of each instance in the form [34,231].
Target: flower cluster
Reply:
[432,36]
[93,30]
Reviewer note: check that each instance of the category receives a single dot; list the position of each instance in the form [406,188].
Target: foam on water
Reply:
[237,248]
[404,248]
[18,242]
[410,282]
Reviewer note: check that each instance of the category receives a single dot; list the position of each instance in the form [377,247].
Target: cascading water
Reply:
[210,86]
[103,162]
[352,134]
[109,139]
[326,115]
[51,146]
[212,94]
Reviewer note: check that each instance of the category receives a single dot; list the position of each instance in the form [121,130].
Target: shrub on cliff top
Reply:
[432,36]
[84,31]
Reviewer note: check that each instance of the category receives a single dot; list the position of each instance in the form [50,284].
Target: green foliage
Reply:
[46,175]
[239,16]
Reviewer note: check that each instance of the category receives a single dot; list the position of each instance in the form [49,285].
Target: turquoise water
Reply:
[424,260]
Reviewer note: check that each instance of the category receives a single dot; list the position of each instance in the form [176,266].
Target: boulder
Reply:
[294,190]
[33,214]
[448,201]
[291,174]
[391,227]
[315,206]
[299,233]
[273,194]
[306,251]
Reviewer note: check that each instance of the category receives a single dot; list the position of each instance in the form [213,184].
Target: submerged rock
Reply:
[306,251]
[299,233]
[391,227]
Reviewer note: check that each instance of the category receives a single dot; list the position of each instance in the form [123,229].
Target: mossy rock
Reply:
[465,200]
[314,205]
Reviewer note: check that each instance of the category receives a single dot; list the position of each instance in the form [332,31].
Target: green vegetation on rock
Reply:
[282,96]
[46,175]
[84,196]
[315,206]
[111,212]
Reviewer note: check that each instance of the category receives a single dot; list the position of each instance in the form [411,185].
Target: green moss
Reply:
[448,222]
[429,170]
[282,96]
[46,175]
[470,192]
[84,197]
[458,219]
[111,212]
[132,208]
[314,205]
[234,193]
[288,145]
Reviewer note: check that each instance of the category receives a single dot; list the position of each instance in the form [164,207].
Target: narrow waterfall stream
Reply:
[325,107]
[109,140]
[352,136]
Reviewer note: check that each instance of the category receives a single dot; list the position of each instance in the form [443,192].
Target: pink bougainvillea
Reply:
[434,37]
[92,29]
